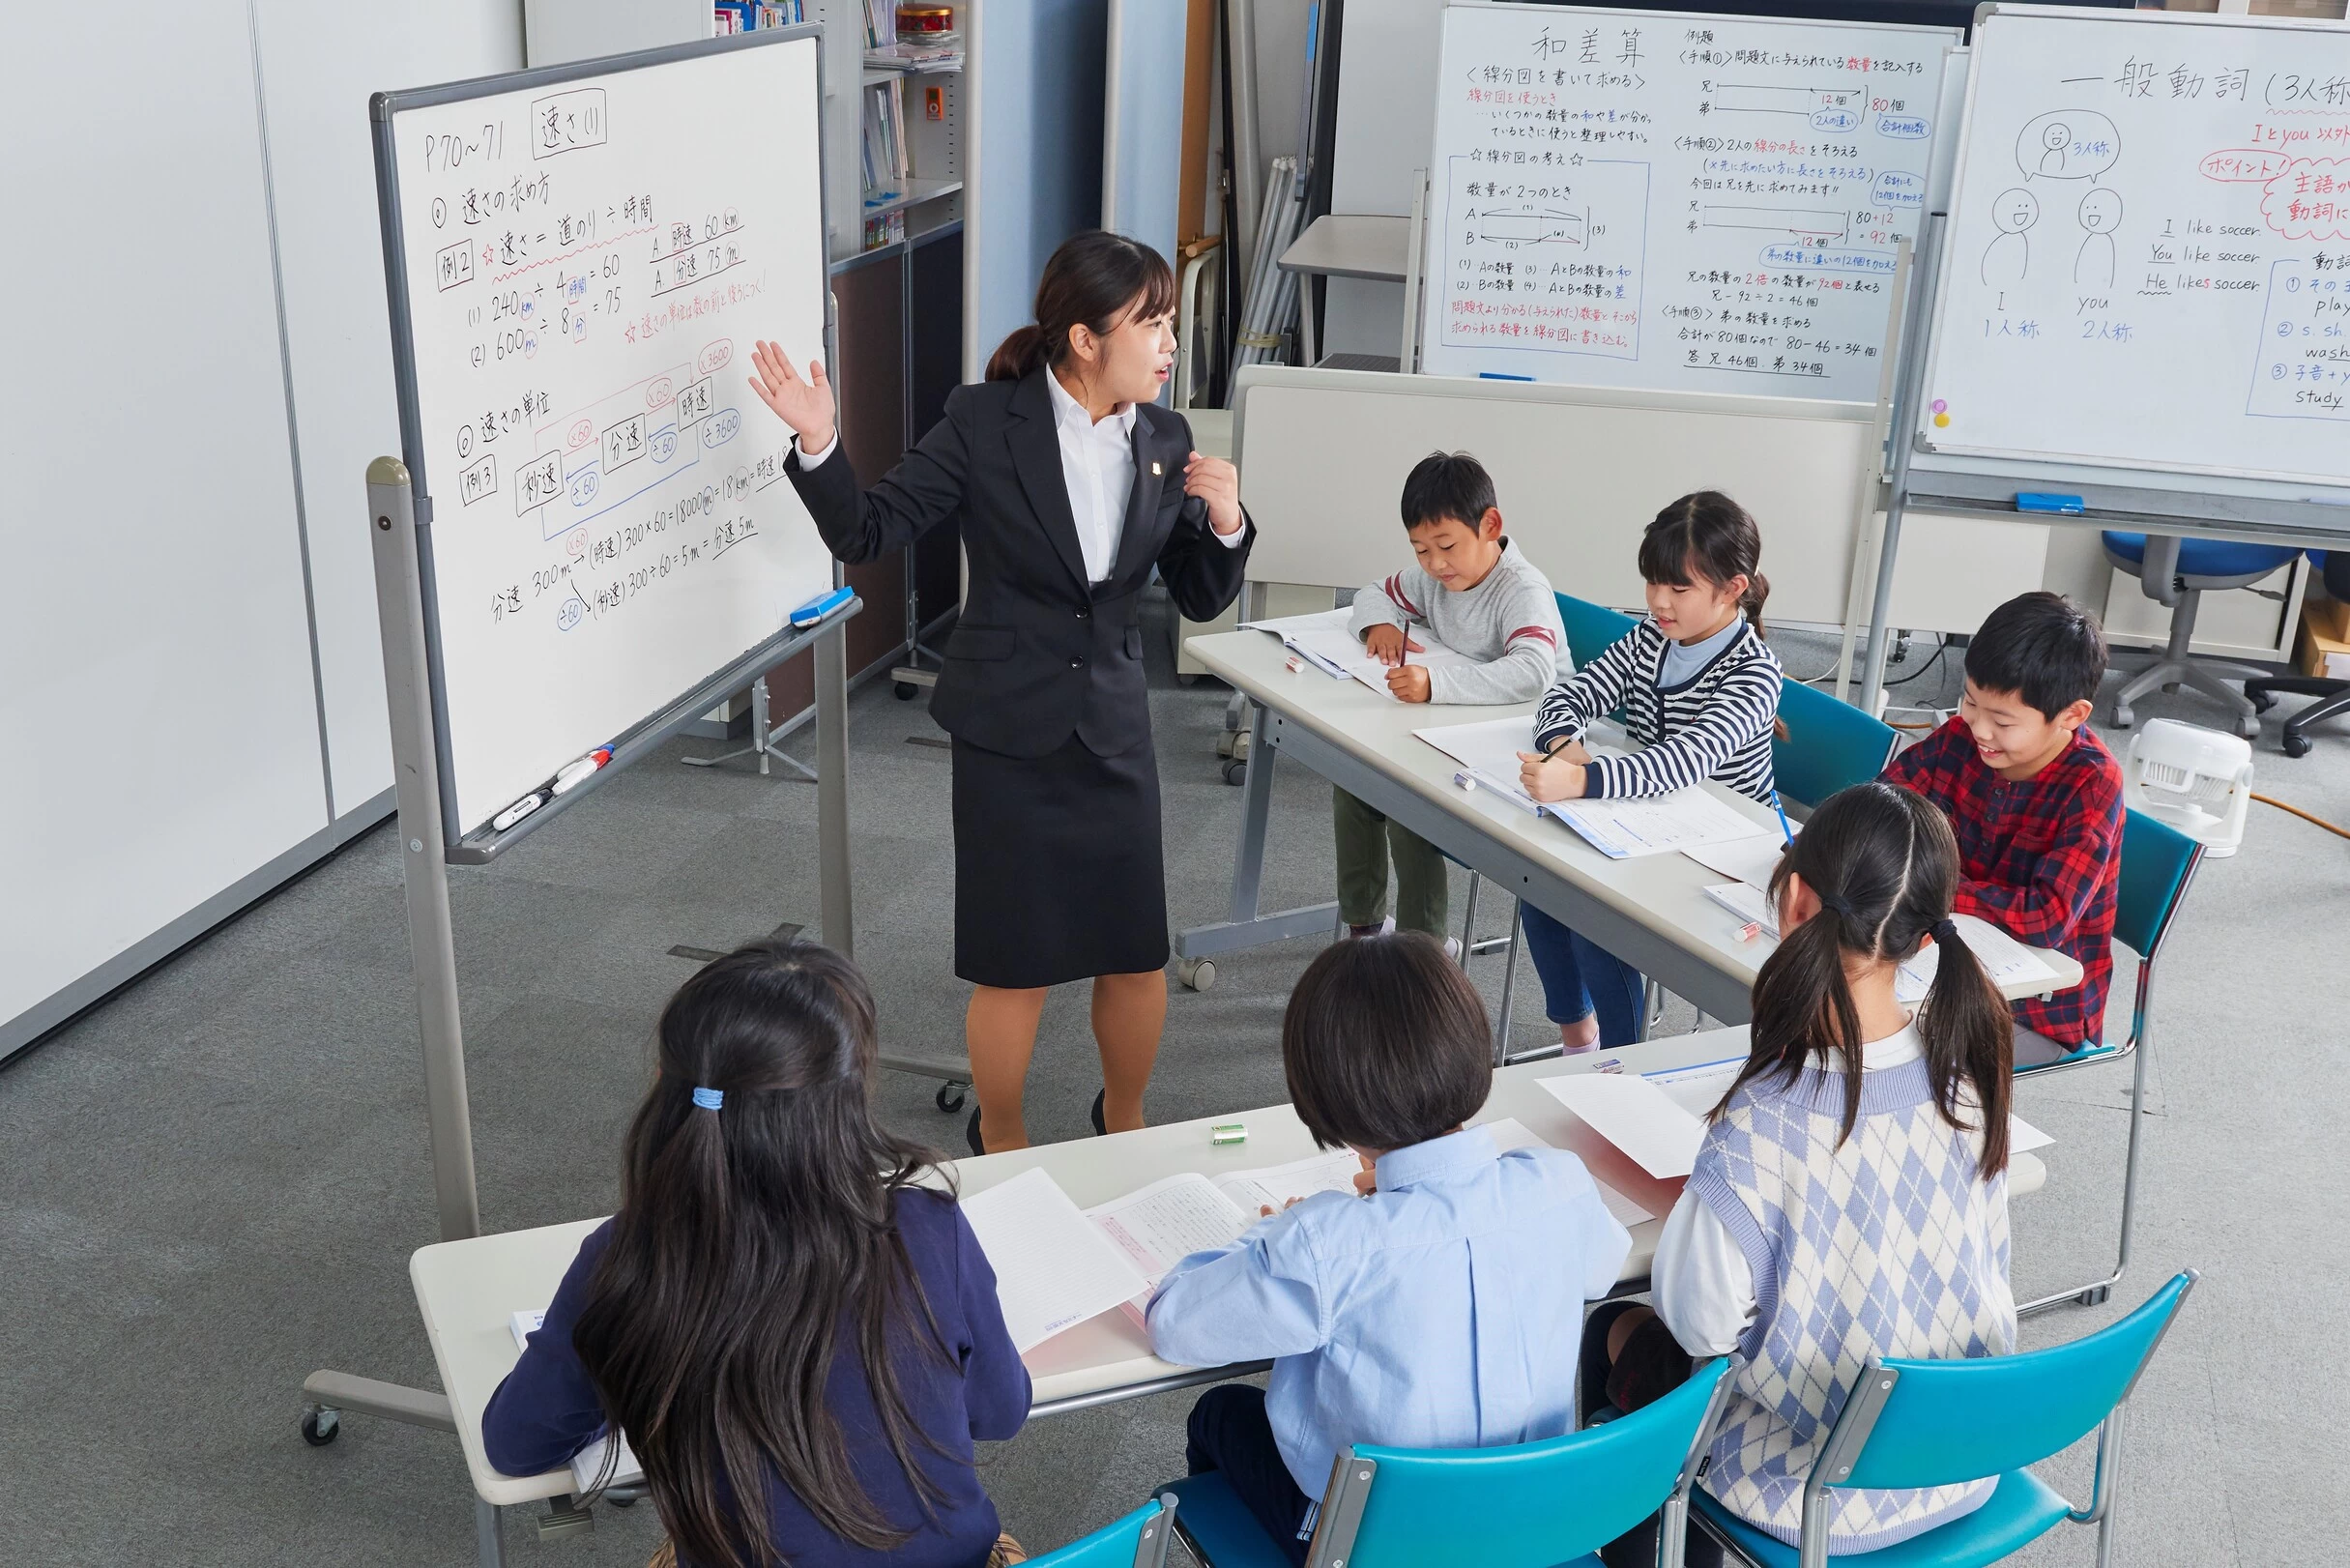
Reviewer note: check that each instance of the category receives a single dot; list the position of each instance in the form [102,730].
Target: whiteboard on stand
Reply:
[2147,257]
[1699,203]
[580,260]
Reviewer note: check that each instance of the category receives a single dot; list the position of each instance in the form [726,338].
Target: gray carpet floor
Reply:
[210,1184]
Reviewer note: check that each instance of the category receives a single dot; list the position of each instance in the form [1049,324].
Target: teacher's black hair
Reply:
[1385,1043]
[755,1243]
[1096,279]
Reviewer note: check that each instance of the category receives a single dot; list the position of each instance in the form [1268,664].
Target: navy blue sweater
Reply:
[546,1410]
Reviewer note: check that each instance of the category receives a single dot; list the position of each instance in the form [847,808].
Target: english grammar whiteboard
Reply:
[580,262]
[1631,198]
[2149,254]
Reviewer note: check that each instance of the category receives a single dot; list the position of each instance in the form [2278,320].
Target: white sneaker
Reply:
[1386,928]
[1452,948]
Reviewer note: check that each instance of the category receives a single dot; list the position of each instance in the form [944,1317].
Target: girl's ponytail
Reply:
[1018,355]
[1970,1038]
[1095,279]
[1884,865]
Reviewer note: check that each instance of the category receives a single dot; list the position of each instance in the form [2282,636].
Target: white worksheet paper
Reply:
[2009,961]
[1054,1268]
[1747,904]
[1326,638]
[1658,824]
[1750,860]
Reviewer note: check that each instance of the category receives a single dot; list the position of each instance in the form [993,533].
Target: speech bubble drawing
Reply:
[2067,144]
[2310,200]
[1898,188]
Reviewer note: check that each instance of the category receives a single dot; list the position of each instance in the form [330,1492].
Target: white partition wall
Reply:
[177,732]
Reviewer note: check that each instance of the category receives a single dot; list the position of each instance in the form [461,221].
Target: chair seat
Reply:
[1219,1525]
[2205,558]
[1224,1534]
[2019,1511]
[2092,1051]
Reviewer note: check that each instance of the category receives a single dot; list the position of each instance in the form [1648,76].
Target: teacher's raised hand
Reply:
[805,404]
[1218,484]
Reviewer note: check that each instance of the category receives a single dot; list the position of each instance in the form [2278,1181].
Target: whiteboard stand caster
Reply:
[321,1425]
[1196,974]
[903,690]
[949,1097]
[1235,771]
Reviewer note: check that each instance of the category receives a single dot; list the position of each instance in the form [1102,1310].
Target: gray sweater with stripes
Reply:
[1717,724]
[1508,622]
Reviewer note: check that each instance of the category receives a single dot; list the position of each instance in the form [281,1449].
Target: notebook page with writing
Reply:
[1054,1268]
[1656,823]
[1160,1225]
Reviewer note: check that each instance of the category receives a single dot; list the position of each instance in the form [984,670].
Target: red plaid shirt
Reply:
[2040,859]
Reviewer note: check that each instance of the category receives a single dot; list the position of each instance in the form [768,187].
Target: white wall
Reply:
[318,66]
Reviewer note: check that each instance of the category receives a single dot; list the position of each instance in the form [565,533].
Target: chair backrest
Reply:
[2157,862]
[1137,1540]
[1528,1506]
[1590,627]
[1930,1423]
[1830,745]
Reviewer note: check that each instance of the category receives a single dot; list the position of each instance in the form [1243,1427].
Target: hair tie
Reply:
[1836,902]
[1946,929]
[710,1099]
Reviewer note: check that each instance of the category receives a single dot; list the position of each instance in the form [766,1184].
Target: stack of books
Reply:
[730,17]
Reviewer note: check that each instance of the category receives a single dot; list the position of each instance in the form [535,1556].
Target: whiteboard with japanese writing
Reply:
[580,263]
[1704,203]
[2148,263]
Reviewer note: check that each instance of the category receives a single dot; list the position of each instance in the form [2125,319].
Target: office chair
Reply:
[2334,692]
[2178,571]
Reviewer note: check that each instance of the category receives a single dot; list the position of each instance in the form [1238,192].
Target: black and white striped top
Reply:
[1717,724]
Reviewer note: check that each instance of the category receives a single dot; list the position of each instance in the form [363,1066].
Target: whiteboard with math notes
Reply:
[1630,198]
[2148,263]
[580,262]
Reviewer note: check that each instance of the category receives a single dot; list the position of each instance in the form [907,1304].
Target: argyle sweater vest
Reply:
[1890,1243]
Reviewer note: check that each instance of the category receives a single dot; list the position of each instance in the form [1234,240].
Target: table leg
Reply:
[1242,926]
[490,1541]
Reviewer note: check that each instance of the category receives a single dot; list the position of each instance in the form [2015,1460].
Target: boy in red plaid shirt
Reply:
[2036,799]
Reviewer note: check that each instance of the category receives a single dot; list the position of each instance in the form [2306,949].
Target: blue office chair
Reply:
[2157,863]
[2177,571]
[1137,1540]
[1931,1423]
[2334,692]
[1535,1505]
[1829,745]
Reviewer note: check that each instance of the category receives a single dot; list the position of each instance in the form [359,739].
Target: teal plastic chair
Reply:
[1830,745]
[1932,1423]
[1590,627]
[2157,863]
[1534,1505]
[1137,1540]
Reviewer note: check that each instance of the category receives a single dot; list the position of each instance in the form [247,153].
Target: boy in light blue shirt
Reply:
[1443,1307]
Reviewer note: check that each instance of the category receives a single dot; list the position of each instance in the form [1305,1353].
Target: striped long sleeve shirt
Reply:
[1717,724]
[1508,622]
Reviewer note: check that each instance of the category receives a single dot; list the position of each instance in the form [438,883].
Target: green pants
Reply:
[1365,840]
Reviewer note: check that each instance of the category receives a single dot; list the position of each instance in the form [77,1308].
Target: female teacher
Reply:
[1071,485]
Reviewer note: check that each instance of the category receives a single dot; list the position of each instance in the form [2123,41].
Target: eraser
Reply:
[1230,1132]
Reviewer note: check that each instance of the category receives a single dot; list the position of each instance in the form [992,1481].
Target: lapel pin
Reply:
[1158,470]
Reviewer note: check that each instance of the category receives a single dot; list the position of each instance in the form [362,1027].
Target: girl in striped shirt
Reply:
[1699,692]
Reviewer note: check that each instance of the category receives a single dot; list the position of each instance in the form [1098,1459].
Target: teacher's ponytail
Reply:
[1096,279]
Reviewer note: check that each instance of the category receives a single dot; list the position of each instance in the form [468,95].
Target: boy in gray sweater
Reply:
[1473,589]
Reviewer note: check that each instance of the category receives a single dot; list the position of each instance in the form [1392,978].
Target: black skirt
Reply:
[1059,871]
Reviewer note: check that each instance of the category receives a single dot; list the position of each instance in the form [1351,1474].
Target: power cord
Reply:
[2272,800]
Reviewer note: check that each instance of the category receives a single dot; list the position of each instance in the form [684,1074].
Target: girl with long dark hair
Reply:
[1850,1196]
[1071,486]
[799,1340]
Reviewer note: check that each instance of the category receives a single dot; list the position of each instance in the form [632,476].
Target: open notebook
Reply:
[587,1464]
[1049,1256]
[1688,820]
[1322,640]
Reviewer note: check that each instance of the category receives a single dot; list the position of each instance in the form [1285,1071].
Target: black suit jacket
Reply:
[1039,654]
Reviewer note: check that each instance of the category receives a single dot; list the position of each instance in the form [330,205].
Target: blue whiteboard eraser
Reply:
[816,609]
[2045,501]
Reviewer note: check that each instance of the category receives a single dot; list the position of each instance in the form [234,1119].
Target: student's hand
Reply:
[1409,682]
[1218,484]
[1366,1179]
[805,405]
[1264,1211]
[1550,778]
[1388,644]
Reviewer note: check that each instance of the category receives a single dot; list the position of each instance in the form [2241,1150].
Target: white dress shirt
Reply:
[1704,1289]
[1097,468]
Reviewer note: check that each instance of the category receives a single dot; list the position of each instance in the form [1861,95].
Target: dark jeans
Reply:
[1581,977]
[1228,1432]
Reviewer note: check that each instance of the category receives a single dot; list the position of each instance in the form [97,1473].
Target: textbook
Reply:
[587,1464]
[1322,640]
[1058,1266]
